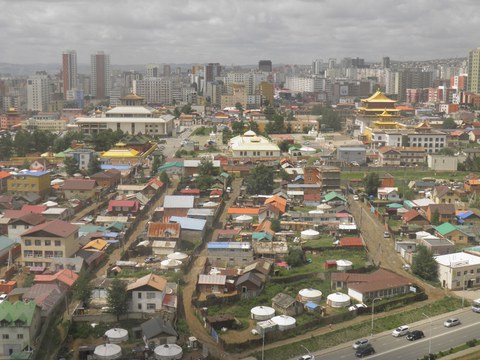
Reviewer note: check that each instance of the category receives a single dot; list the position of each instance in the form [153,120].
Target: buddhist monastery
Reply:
[377,104]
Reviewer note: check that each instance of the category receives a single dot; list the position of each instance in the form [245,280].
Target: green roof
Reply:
[332,195]
[445,228]
[225,175]
[23,355]
[19,311]
[261,235]
[170,165]
[394,206]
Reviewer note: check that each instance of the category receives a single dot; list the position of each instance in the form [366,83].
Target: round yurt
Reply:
[309,234]
[168,352]
[116,335]
[170,264]
[284,322]
[262,313]
[323,207]
[243,219]
[178,256]
[344,265]
[312,295]
[338,300]
[107,352]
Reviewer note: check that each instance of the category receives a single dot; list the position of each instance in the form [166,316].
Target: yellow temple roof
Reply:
[119,153]
[385,114]
[379,97]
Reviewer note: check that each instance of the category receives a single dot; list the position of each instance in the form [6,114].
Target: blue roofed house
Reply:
[20,326]
[192,229]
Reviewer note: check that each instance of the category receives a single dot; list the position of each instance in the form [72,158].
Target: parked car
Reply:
[400,331]
[476,308]
[356,306]
[365,351]
[360,343]
[415,335]
[451,322]
[306,357]
[151,259]
[386,234]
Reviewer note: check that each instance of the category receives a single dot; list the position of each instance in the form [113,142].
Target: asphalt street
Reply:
[437,338]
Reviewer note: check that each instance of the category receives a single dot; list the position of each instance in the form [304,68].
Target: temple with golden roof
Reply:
[377,104]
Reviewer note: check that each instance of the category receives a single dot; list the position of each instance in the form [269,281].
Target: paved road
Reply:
[441,339]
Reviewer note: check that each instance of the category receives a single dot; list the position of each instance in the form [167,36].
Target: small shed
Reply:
[330,264]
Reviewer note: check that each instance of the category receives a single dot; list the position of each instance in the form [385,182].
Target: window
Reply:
[49,254]
[150,295]
[38,242]
[28,242]
[19,336]
[139,306]
[139,295]
[150,306]
[14,226]
[27,253]
[58,243]
[48,242]
[5,336]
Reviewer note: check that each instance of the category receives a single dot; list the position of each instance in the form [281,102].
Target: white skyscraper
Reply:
[38,94]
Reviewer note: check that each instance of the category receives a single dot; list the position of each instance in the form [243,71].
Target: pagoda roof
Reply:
[385,113]
[379,97]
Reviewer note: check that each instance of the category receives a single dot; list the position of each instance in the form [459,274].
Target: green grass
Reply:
[407,175]
[324,241]
[359,330]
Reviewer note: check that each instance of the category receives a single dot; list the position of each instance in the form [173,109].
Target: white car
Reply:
[386,234]
[476,308]
[356,306]
[400,331]
[356,198]
[451,322]
[360,343]
[306,357]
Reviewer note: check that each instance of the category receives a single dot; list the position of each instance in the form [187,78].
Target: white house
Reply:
[442,162]
[147,293]
[251,145]
[388,193]
[458,271]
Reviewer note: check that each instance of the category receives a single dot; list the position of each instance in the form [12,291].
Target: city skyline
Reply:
[235,32]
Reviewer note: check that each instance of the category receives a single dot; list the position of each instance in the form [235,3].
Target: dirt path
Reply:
[194,324]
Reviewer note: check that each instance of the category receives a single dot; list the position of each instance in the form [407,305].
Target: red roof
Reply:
[312,197]
[37,209]
[190,191]
[132,204]
[57,228]
[378,280]
[410,215]
[4,175]
[79,184]
[66,276]
[351,241]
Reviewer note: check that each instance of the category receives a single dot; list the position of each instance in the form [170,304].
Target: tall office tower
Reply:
[386,62]
[332,63]
[473,79]
[265,65]
[318,67]
[69,62]
[153,71]
[167,70]
[212,70]
[38,94]
[100,75]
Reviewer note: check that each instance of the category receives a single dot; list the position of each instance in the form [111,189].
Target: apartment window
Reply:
[48,242]
[38,253]
[139,295]
[49,254]
[58,254]
[139,306]
[28,242]
[58,243]
[5,336]
[38,242]
[150,306]
[27,253]
[19,336]
[150,295]
[14,226]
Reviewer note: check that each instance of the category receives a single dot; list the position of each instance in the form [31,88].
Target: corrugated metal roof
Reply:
[229,245]
[178,201]
[187,223]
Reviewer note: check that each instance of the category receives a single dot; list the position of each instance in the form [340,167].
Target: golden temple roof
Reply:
[379,97]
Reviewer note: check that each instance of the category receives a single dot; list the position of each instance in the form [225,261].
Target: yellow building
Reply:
[385,122]
[37,182]
[267,91]
[377,104]
[53,239]
[238,95]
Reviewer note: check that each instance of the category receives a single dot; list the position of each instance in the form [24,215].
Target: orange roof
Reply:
[265,226]
[66,276]
[405,108]
[473,181]
[351,241]
[4,175]
[170,230]
[155,281]
[277,201]
[246,211]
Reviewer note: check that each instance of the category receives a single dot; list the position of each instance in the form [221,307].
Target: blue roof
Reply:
[85,229]
[6,243]
[228,245]
[189,223]
[110,234]
[118,167]
[465,215]
[311,305]
[33,173]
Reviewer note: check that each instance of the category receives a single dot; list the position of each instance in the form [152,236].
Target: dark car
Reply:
[415,335]
[365,351]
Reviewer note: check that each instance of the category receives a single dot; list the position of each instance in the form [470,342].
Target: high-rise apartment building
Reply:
[212,70]
[69,66]
[473,79]
[265,65]
[167,70]
[38,92]
[386,62]
[154,90]
[100,75]
[153,71]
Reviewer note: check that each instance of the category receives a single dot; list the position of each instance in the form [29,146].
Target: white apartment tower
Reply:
[100,75]
[38,94]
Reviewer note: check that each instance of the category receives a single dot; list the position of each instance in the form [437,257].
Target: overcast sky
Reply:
[237,31]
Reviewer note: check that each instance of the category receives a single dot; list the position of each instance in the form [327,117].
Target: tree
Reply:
[275,225]
[446,151]
[206,168]
[330,120]
[435,218]
[260,180]
[295,257]
[449,123]
[6,147]
[269,112]
[371,183]
[284,146]
[82,289]
[283,175]
[424,264]
[164,178]
[22,143]
[238,128]
[117,297]
[93,165]
[252,125]
[155,165]
[71,165]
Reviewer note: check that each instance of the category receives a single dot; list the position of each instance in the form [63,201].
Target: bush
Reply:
[472,343]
